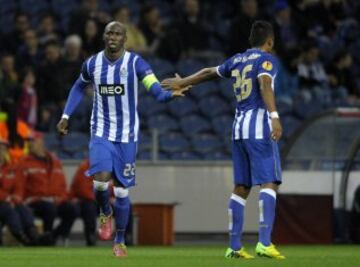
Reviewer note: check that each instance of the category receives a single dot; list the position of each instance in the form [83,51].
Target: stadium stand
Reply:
[192,127]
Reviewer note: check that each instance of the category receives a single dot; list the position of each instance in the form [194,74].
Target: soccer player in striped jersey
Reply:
[114,74]
[256,129]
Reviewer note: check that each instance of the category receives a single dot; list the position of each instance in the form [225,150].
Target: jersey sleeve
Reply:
[224,70]
[142,68]
[267,66]
[84,74]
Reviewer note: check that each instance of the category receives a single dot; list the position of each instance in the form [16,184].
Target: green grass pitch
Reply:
[177,256]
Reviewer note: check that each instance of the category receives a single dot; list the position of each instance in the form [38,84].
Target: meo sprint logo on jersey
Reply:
[111,89]
[267,65]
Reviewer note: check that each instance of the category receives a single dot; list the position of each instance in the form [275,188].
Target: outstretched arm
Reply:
[202,75]
[267,94]
[153,86]
[75,96]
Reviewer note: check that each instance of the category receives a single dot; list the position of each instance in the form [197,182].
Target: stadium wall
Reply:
[201,191]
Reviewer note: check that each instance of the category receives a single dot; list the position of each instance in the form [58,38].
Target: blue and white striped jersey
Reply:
[251,117]
[114,114]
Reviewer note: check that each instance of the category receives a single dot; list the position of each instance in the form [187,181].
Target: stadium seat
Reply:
[284,107]
[64,7]
[6,22]
[162,68]
[226,89]
[144,142]
[144,155]
[194,124]
[173,142]
[205,143]
[203,90]
[306,110]
[185,155]
[290,125]
[218,155]
[163,123]
[74,142]
[64,155]
[188,66]
[7,7]
[222,125]
[182,106]
[52,141]
[213,106]
[148,106]
[34,7]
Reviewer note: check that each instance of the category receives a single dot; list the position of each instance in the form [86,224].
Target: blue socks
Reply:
[236,220]
[101,191]
[122,208]
[267,204]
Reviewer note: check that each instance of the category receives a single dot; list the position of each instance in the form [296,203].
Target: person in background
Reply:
[29,54]
[15,130]
[91,37]
[82,195]
[47,30]
[240,26]
[313,80]
[50,82]
[9,78]
[13,214]
[11,41]
[73,58]
[45,189]
[27,105]
[89,9]
[342,79]
[135,38]
[193,30]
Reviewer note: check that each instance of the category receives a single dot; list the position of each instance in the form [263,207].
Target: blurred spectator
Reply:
[240,27]
[165,42]
[89,10]
[192,29]
[287,80]
[15,131]
[13,214]
[83,197]
[341,77]
[312,75]
[91,37]
[45,189]
[47,30]
[9,79]
[151,25]
[29,54]
[27,105]
[51,87]
[285,29]
[47,121]
[14,39]
[73,60]
[135,38]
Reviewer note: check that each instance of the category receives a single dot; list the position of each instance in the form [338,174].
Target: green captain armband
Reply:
[149,80]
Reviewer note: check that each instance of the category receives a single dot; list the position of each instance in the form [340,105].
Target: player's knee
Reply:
[121,192]
[102,177]
[100,186]
[242,191]
[272,186]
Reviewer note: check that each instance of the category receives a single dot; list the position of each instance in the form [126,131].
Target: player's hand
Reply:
[63,126]
[172,83]
[276,129]
[180,91]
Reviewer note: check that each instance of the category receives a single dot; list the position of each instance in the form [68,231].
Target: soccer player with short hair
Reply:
[114,74]
[256,129]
